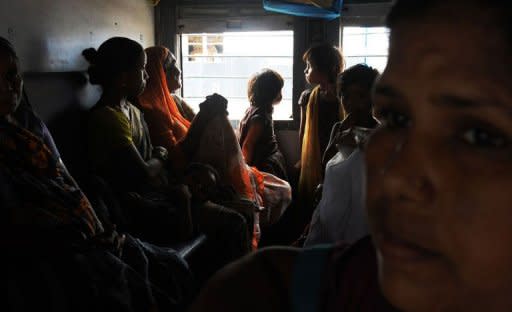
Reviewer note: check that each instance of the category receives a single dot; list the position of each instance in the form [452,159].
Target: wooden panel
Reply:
[50,35]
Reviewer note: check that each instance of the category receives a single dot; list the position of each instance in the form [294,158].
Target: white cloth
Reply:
[340,215]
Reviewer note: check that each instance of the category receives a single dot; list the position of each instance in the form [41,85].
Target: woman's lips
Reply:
[395,248]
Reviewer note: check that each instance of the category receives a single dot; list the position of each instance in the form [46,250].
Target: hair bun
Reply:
[90,55]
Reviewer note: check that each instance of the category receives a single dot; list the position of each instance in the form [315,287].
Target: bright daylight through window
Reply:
[223,63]
[367,45]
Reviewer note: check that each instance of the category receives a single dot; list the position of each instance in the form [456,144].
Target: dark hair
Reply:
[264,87]
[201,167]
[7,48]
[360,74]
[326,58]
[410,9]
[114,56]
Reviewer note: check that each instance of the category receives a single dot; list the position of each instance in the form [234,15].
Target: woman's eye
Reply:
[393,119]
[483,138]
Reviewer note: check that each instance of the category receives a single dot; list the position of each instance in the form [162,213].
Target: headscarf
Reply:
[166,124]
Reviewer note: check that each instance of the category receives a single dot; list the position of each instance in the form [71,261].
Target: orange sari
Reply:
[218,144]
[166,124]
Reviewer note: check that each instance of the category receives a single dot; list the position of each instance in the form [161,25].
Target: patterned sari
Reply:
[218,144]
[39,194]
[52,257]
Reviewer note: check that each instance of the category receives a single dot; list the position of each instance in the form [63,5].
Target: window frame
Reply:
[279,124]
[218,18]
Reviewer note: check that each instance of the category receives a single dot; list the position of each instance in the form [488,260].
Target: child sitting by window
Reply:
[257,137]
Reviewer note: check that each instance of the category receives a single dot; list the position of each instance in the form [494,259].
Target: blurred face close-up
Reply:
[11,84]
[439,167]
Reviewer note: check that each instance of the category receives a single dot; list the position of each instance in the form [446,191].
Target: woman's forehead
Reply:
[461,49]
[434,57]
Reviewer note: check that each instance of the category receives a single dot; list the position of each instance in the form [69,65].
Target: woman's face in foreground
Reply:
[440,166]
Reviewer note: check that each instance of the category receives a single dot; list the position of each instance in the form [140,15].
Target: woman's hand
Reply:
[214,104]
[161,153]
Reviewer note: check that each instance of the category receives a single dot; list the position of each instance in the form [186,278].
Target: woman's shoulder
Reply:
[177,98]
[284,277]
[99,111]
[107,117]
[257,282]
[353,279]
[134,109]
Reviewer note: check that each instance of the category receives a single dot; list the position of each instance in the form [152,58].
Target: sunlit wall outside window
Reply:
[367,45]
[223,63]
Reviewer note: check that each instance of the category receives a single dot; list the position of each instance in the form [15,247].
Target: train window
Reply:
[223,63]
[367,45]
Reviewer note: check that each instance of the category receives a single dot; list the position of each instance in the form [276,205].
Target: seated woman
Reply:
[208,139]
[173,76]
[57,254]
[121,151]
[257,138]
[438,176]
[167,126]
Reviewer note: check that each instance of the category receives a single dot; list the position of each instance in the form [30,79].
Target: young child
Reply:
[257,138]
[320,110]
[354,90]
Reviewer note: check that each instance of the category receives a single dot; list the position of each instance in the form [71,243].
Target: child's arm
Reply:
[249,144]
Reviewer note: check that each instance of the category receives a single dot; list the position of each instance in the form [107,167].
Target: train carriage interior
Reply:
[222,155]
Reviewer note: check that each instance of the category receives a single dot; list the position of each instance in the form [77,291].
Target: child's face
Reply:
[357,98]
[313,76]
[278,98]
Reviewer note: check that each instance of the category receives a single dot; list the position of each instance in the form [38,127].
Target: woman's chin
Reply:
[408,293]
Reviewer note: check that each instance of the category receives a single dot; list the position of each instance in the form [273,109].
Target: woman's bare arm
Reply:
[249,144]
